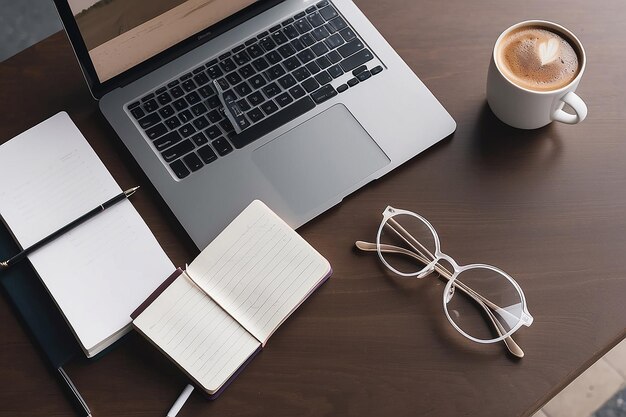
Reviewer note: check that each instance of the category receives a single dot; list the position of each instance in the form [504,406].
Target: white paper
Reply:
[99,272]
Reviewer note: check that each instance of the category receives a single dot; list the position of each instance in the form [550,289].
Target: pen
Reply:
[23,254]
[178,404]
[77,399]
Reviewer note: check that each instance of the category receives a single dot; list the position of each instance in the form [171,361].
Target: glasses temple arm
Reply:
[512,346]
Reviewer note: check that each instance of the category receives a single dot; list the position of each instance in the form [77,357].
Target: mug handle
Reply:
[575,103]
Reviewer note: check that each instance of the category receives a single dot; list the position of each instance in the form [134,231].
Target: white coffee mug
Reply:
[529,109]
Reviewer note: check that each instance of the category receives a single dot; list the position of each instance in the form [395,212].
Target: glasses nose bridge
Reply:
[445,257]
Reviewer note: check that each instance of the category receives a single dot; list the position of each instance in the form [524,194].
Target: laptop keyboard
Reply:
[268,81]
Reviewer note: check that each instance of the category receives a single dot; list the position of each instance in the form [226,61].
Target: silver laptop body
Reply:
[307,165]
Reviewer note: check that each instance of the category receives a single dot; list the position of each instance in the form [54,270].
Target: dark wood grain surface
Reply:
[547,206]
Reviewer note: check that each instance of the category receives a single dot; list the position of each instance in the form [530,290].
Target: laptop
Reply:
[297,103]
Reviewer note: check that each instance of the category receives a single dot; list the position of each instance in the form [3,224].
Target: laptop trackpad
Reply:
[319,159]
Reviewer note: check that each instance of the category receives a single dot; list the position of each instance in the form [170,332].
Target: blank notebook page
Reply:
[259,270]
[99,272]
[196,333]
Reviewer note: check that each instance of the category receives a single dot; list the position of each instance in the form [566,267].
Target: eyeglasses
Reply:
[481,301]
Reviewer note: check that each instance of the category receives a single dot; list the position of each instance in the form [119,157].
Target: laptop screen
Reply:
[120,34]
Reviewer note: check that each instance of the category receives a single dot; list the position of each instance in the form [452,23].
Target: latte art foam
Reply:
[536,58]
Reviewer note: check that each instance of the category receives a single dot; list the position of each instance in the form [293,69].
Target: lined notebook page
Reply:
[98,273]
[259,270]
[196,333]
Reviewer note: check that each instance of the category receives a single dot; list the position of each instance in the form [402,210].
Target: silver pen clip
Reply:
[233,112]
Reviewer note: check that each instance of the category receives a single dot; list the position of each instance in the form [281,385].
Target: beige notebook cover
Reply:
[218,313]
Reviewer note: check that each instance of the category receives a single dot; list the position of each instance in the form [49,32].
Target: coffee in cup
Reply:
[537,58]
[535,69]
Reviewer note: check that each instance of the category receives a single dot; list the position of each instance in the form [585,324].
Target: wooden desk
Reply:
[548,206]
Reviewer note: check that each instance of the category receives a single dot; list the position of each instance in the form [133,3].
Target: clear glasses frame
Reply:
[432,264]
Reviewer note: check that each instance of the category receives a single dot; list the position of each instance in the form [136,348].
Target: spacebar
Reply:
[273,122]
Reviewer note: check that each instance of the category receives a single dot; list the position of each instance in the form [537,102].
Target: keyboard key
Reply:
[297,92]
[243,105]
[322,4]
[250,42]
[201,123]
[223,84]
[228,65]
[173,83]
[193,162]
[320,33]
[342,88]
[243,89]
[257,81]
[269,107]
[286,50]
[287,81]
[357,59]
[241,57]
[167,140]
[201,79]
[189,85]
[133,105]
[353,81]
[233,78]
[215,116]
[206,154]
[177,92]
[150,106]
[347,34]
[180,104]
[301,74]
[291,32]
[319,49]
[187,130]
[247,71]
[199,109]
[297,44]
[214,72]
[260,64]
[334,41]
[199,139]
[273,57]
[350,48]
[364,75]
[137,113]
[279,38]
[330,28]
[172,123]
[256,98]
[179,168]
[271,90]
[376,70]
[359,70]
[198,70]
[192,98]
[328,13]
[310,9]
[262,35]
[147,97]
[255,51]
[275,28]
[186,76]
[164,98]
[166,111]
[149,121]
[334,57]
[338,23]
[303,26]
[222,146]
[287,21]
[323,94]
[310,85]
[255,115]
[306,56]
[156,131]
[323,78]
[299,15]
[213,132]
[335,71]
[267,44]
[177,150]
[313,67]
[284,99]
[224,55]
[274,121]
[291,63]
[307,39]
[214,102]
[226,126]
[275,72]
[315,19]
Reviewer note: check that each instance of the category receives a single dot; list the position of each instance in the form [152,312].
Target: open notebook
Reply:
[212,318]
[98,272]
